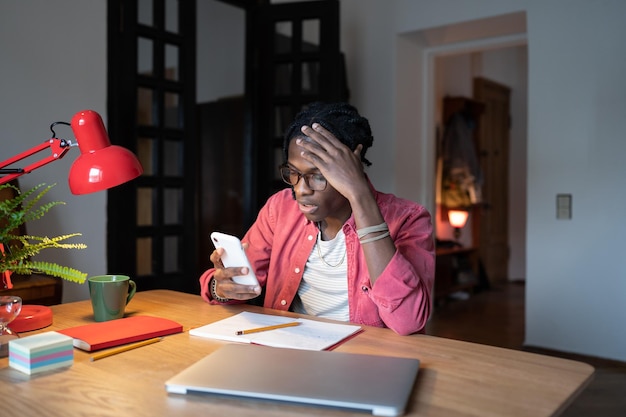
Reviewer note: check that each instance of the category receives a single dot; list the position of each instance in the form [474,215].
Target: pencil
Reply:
[124,349]
[262,329]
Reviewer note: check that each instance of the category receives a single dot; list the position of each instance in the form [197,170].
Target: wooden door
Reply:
[493,142]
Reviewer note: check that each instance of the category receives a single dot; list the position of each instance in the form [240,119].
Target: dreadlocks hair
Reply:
[340,119]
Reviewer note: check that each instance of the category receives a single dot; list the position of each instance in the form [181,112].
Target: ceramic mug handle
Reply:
[132,288]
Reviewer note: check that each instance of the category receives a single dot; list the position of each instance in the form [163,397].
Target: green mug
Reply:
[109,295]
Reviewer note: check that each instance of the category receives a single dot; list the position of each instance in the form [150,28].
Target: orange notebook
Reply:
[106,334]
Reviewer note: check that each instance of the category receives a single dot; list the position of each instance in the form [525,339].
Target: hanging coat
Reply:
[461,177]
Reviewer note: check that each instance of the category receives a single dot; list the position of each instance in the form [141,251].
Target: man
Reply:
[332,246]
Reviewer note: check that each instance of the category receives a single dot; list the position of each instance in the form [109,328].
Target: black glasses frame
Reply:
[285,171]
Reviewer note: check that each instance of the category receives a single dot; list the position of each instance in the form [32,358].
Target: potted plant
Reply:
[17,249]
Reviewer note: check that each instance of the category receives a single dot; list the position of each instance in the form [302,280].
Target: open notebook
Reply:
[380,384]
[309,334]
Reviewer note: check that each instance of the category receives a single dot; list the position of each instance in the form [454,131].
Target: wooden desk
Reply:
[456,379]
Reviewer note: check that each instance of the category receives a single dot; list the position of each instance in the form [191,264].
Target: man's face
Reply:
[315,205]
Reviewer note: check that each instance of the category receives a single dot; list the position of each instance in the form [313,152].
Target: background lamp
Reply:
[457,219]
[99,166]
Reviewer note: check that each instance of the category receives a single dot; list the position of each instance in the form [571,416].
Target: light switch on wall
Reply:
[564,206]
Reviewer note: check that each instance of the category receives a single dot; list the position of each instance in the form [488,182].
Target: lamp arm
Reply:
[58,148]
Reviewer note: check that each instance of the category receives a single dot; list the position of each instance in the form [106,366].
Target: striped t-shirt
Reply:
[323,291]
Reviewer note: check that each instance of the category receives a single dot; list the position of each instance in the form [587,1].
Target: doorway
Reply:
[453,73]
[494,48]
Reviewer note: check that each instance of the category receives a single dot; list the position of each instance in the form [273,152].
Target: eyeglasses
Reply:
[314,181]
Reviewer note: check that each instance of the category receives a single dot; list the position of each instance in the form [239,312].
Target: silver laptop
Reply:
[380,384]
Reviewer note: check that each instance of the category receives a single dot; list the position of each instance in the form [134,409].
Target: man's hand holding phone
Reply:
[234,276]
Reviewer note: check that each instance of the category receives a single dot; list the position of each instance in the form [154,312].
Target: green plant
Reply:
[18,249]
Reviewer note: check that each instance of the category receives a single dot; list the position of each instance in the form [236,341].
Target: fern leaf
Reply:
[19,249]
[29,249]
[52,269]
[19,209]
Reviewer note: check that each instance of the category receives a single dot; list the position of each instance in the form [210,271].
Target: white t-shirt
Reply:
[323,291]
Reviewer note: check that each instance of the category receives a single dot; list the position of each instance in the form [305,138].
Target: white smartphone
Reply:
[234,256]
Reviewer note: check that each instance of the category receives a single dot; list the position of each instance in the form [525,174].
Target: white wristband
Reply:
[375,238]
[372,229]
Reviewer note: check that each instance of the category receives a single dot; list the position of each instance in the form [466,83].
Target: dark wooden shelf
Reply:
[455,270]
[36,289]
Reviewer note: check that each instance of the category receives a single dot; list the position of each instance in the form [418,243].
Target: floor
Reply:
[496,317]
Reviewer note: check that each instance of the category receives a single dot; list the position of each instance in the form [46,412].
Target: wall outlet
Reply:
[563,206]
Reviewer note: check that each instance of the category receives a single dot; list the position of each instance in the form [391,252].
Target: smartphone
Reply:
[234,256]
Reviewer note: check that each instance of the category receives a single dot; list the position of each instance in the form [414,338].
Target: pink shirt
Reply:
[281,240]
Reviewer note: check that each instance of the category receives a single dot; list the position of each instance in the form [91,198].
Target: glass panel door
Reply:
[299,43]
[152,62]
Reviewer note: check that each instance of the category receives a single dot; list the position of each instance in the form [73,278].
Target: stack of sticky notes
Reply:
[41,352]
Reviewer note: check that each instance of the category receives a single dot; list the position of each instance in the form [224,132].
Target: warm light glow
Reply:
[457,218]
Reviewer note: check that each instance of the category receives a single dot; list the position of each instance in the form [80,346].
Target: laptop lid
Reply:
[380,384]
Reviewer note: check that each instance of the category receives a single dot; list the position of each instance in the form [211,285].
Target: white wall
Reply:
[576,283]
[54,65]
[577,277]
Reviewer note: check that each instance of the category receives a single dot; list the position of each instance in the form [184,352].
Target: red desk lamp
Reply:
[100,165]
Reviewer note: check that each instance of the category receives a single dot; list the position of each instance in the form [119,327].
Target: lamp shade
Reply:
[457,218]
[100,165]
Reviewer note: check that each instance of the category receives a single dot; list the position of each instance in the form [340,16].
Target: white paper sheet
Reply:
[308,335]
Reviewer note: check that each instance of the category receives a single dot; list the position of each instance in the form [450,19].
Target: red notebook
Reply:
[106,334]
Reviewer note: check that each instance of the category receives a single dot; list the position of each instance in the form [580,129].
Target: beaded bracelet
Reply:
[372,229]
[213,287]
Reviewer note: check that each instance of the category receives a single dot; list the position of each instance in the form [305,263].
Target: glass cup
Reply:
[10,307]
